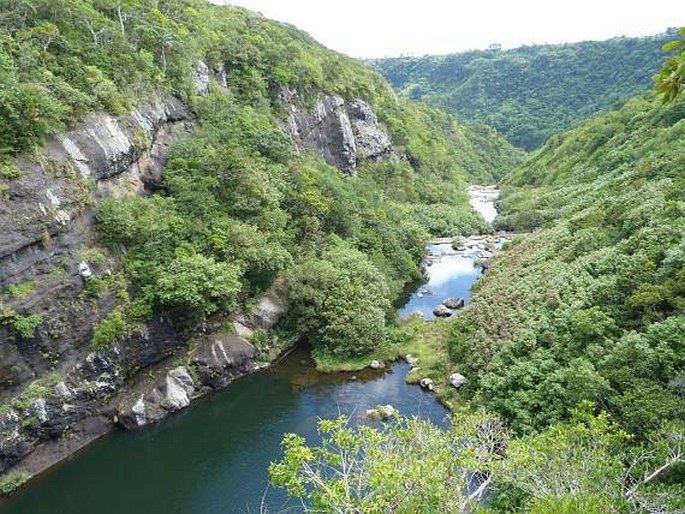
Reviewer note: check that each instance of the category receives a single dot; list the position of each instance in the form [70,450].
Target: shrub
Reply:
[13,481]
[109,329]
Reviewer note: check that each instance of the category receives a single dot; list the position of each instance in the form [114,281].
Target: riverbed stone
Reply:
[442,312]
[453,303]
[381,412]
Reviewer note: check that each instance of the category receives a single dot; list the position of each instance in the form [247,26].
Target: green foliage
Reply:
[339,302]
[670,81]
[530,93]
[591,305]
[109,329]
[22,290]
[9,170]
[23,325]
[404,466]
[13,481]
[198,282]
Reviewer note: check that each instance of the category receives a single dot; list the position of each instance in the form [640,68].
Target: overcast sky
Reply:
[380,28]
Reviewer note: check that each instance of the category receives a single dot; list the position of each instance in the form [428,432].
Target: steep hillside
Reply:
[530,93]
[172,172]
[591,304]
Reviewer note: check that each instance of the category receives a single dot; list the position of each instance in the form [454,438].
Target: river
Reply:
[213,456]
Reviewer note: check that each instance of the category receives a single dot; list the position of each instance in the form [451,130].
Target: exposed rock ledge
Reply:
[342,133]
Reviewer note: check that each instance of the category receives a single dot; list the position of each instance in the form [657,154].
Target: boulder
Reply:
[453,303]
[150,404]
[221,358]
[456,380]
[84,270]
[442,312]
[376,364]
[411,360]
[427,383]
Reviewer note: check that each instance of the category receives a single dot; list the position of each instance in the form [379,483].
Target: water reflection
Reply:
[449,275]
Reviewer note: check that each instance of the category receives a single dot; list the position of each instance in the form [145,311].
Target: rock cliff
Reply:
[343,133]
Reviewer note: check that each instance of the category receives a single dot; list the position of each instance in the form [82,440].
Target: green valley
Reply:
[200,202]
[530,93]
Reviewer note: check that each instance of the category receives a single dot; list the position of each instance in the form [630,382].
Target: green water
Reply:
[213,457]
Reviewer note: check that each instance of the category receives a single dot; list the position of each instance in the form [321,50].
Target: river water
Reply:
[213,456]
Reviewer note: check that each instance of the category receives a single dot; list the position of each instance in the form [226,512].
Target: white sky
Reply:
[385,28]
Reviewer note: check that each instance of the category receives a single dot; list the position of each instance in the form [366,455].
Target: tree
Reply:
[405,466]
[198,282]
[670,82]
[339,301]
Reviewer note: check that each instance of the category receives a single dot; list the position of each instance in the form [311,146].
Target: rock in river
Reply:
[442,312]
[427,383]
[453,303]
[381,412]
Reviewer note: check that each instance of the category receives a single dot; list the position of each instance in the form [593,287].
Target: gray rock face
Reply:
[170,393]
[341,133]
[270,308]
[220,359]
[202,78]
[372,142]
[47,221]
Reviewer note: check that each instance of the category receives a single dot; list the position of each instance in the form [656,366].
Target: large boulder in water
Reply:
[442,312]
[427,383]
[453,303]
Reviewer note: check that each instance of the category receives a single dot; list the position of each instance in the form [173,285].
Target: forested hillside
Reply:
[590,305]
[532,92]
[573,348]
